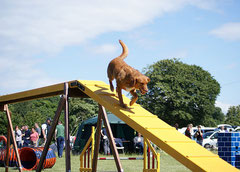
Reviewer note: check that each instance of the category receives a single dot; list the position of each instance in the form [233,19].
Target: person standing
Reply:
[45,130]
[59,136]
[38,130]
[34,137]
[199,135]
[106,143]
[188,131]
[26,137]
[18,134]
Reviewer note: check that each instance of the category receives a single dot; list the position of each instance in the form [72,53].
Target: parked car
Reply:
[237,129]
[210,139]
[204,129]
[228,127]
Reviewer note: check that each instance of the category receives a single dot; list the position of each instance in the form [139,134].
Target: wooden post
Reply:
[10,131]
[67,137]
[7,148]
[97,140]
[51,132]
[111,139]
[145,154]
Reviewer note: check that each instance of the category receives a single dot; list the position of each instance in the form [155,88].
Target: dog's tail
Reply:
[124,52]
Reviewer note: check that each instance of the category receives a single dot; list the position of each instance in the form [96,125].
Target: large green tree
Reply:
[233,115]
[80,110]
[180,93]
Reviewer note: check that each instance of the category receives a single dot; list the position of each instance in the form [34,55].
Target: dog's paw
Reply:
[124,106]
[112,88]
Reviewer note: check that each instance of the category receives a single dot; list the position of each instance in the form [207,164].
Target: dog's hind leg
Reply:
[134,98]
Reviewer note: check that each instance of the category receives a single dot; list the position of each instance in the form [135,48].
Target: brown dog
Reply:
[127,78]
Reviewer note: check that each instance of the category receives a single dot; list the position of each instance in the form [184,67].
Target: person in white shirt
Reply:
[18,135]
[45,129]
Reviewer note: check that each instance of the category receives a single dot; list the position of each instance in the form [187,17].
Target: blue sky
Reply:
[47,42]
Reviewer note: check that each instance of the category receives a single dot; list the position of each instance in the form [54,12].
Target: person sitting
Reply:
[118,142]
[138,142]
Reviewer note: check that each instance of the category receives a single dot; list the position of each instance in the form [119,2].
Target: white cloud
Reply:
[105,49]
[228,31]
[29,28]
[223,106]
[21,73]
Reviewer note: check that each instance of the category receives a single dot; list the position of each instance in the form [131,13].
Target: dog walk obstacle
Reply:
[183,149]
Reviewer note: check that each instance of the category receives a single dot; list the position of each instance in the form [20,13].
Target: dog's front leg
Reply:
[134,98]
[119,91]
[111,85]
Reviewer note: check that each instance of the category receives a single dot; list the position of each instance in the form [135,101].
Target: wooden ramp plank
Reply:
[183,149]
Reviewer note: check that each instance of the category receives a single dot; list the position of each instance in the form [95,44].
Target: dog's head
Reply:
[141,84]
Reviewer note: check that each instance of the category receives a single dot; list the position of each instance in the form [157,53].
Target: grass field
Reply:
[167,164]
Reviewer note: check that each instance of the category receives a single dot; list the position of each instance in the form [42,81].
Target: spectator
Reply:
[45,130]
[18,134]
[106,147]
[34,137]
[23,132]
[176,126]
[191,130]
[198,135]
[23,129]
[188,131]
[138,142]
[38,130]
[118,142]
[59,136]
[26,137]
[222,130]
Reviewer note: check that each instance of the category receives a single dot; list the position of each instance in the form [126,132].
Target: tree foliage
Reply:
[27,113]
[233,116]
[181,93]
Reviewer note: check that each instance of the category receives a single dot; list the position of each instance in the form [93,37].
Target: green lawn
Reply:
[167,163]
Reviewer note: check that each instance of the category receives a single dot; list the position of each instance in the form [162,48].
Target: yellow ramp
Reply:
[183,149]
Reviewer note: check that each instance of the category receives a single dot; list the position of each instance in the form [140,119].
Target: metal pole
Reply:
[51,132]
[67,137]
[97,140]
[10,129]
[111,139]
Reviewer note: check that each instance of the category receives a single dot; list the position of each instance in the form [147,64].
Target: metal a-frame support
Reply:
[63,103]
[11,135]
[102,115]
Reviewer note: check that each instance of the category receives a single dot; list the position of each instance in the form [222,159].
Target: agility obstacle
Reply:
[151,159]
[30,157]
[166,137]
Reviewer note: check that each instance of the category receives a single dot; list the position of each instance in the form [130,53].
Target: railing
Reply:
[86,155]
[150,157]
